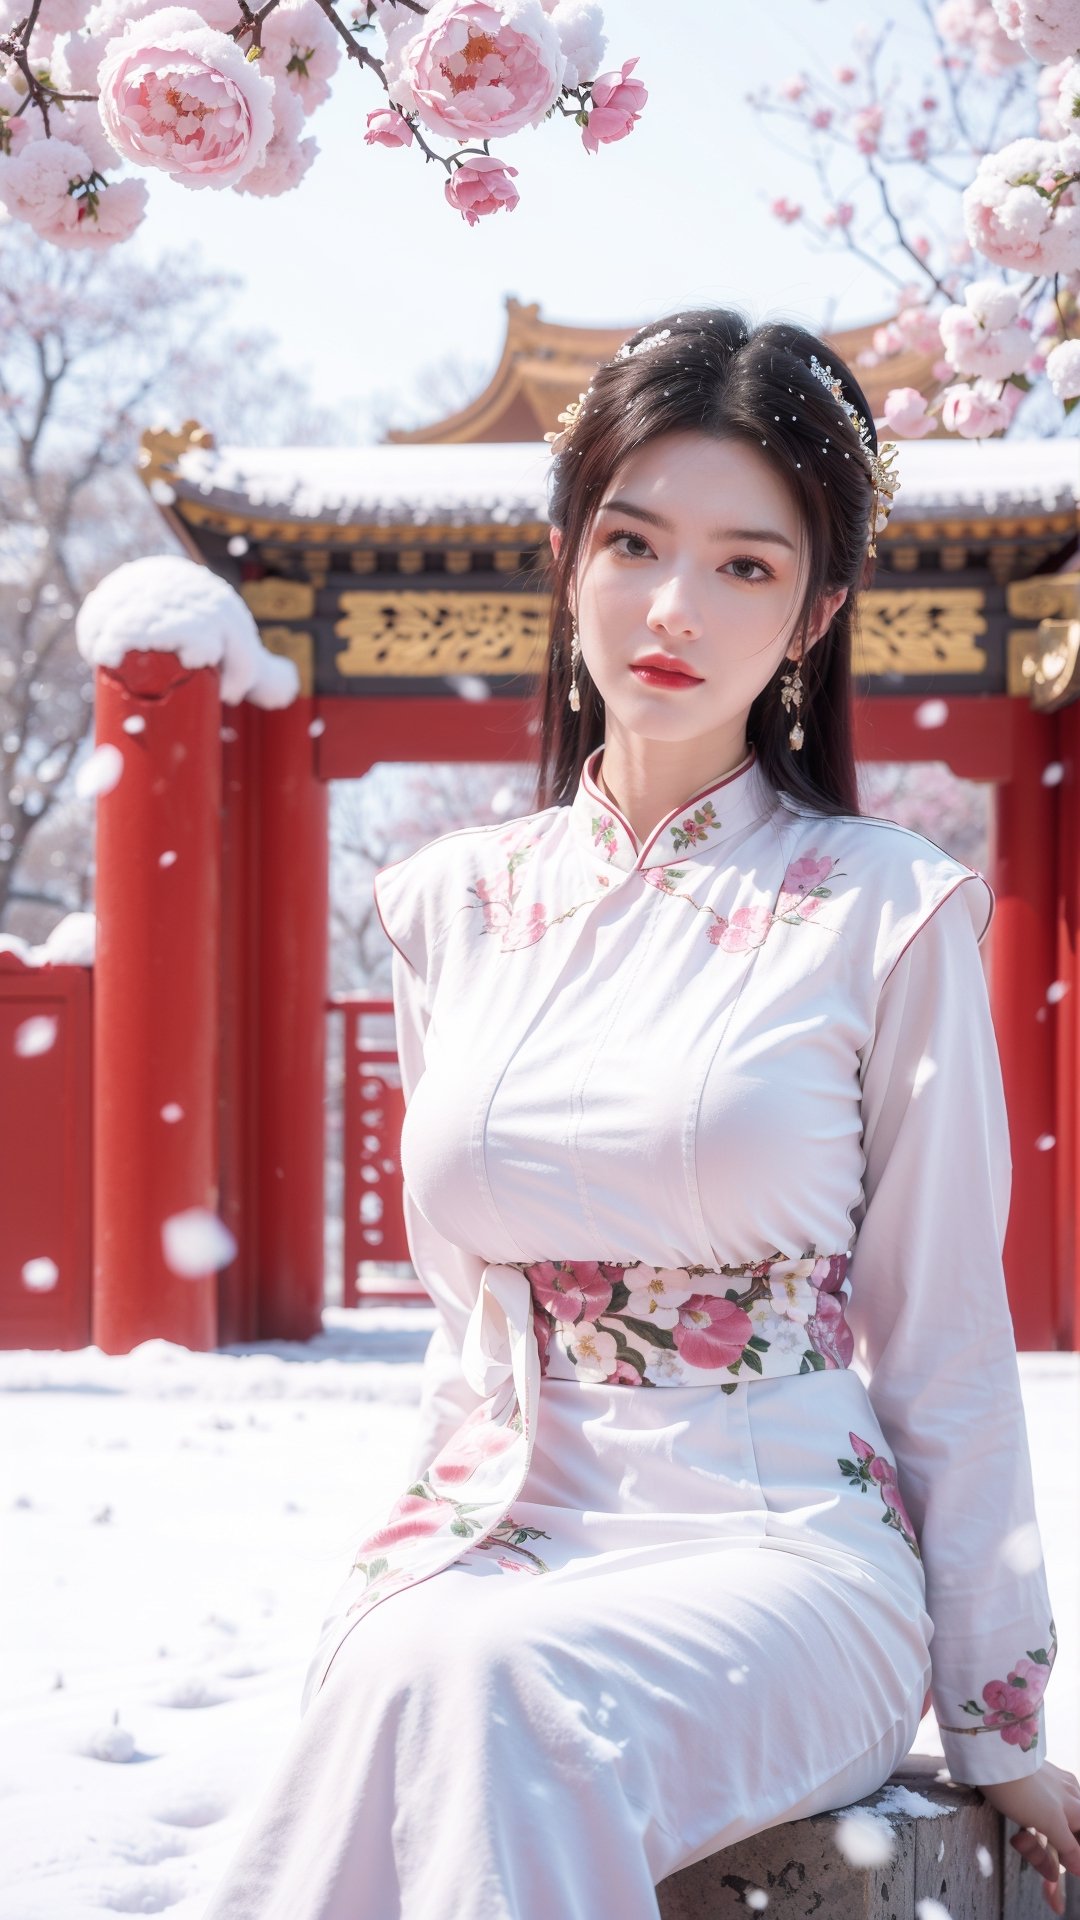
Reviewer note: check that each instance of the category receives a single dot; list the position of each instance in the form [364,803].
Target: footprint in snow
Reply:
[143,1893]
[194,1807]
[192,1690]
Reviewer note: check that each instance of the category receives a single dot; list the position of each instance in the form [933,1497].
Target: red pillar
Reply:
[155,997]
[1024,962]
[238,1304]
[1065,1018]
[291,982]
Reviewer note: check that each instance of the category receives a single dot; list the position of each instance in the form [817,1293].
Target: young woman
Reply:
[722,1459]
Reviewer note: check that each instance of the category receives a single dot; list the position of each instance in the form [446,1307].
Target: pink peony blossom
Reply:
[386,127]
[971,413]
[473,70]
[1046,29]
[301,50]
[46,184]
[179,95]
[478,186]
[288,156]
[1010,221]
[906,413]
[1063,369]
[712,1331]
[616,107]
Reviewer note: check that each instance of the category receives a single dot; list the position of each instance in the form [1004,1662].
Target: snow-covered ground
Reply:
[172,1526]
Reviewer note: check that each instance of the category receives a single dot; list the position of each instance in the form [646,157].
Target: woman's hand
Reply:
[1045,1805]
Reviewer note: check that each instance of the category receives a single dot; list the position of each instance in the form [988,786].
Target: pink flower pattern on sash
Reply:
[647,1326]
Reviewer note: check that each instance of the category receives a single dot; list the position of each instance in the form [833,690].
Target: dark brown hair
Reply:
[717,375]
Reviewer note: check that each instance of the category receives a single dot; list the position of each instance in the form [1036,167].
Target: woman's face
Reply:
[694,552]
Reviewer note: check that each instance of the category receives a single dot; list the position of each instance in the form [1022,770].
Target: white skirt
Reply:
[726,1630]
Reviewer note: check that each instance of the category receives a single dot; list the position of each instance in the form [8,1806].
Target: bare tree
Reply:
[91,350]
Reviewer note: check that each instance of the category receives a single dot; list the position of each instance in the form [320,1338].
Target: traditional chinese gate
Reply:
[388,572]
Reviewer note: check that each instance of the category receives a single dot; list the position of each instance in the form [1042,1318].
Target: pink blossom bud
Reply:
[386,127]
[845,75]
[616,107]
[481,185]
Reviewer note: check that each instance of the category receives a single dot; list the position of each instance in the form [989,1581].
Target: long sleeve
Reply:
[934,1334]
[449,1273]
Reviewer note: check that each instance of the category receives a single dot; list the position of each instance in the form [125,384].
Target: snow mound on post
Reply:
[163,603]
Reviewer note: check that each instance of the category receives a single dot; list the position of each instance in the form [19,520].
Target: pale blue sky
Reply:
[366,274]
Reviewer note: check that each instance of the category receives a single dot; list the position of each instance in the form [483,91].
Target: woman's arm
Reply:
[932,1324]
[450,1274]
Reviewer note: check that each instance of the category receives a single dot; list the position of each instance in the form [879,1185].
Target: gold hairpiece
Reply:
[880,463]
[569,416]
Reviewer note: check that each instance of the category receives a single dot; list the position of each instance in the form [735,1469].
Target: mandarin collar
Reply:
[703,823]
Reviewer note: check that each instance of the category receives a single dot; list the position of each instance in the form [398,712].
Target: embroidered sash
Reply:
[633,1325]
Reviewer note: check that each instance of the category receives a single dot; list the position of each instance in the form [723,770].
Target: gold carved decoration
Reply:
[293,644]
[160,449]
[280,599]
[1045,664]
[921,630]
[430,633]
[1049,596]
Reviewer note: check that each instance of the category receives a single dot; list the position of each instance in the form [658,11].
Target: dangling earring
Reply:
[575,651]
[792,691]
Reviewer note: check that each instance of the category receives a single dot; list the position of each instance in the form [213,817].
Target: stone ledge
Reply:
[939,1828]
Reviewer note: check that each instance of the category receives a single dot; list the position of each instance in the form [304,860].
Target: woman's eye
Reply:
[761,570]
[625,534]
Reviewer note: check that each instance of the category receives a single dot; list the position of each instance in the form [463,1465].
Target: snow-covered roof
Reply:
[505,482]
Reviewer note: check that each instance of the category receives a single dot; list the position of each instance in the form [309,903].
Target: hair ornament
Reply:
[626,351]
[569,419]
[885,482]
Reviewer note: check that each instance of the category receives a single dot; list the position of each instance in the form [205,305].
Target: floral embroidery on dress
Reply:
[605,834]
[511,1536]
[521,924]
[873,1466]
[695,828]
[651,1326]
[800,896]
[1012,1705]
[518,924]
